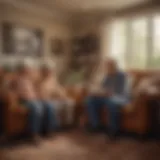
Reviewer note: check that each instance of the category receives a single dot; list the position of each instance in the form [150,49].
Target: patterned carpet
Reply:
[82,146]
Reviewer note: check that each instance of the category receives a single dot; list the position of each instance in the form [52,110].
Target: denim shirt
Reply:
[118,84]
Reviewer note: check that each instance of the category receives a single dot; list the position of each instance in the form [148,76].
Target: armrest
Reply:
[129,108]
[136,107]
[12,103]
[18,109]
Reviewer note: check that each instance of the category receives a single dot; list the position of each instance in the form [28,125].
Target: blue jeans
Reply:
[35,117]
[51,121]
[113,106]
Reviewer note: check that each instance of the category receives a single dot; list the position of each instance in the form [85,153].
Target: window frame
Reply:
[149,41]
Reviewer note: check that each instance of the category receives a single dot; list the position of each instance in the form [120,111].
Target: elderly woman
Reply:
[26,90]
[54,92]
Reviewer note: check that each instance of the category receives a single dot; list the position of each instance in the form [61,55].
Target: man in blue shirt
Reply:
[113,98]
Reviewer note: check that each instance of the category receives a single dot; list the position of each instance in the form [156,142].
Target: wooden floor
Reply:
[81,146]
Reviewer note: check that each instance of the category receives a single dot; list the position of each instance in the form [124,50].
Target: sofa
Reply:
[135,115]
[14,114]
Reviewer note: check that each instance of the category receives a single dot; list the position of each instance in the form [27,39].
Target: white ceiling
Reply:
[75,5]
[94,4]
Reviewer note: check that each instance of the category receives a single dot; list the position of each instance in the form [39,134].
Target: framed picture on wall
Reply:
[20,40]
[57,46]
[85,45]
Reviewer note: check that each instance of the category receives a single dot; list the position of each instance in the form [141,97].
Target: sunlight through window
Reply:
[138,52]
[155,57]
[118,42]
[134,43]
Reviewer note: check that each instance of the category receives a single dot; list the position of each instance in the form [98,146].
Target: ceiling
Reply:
[73,10]
[74,5]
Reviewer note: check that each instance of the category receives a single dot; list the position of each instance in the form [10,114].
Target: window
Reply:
[155,56]
[135,42]
[118,42]
[138,58]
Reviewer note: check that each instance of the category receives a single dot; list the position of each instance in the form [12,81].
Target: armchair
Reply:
[138,118]
[135,115]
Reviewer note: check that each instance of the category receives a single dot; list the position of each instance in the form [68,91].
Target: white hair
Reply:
[48,64]
[25,63]
[28,63]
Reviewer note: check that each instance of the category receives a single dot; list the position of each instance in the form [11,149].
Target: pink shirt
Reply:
[25,88]
[50,87]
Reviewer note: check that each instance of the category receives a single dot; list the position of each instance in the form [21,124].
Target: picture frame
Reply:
[20,40]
